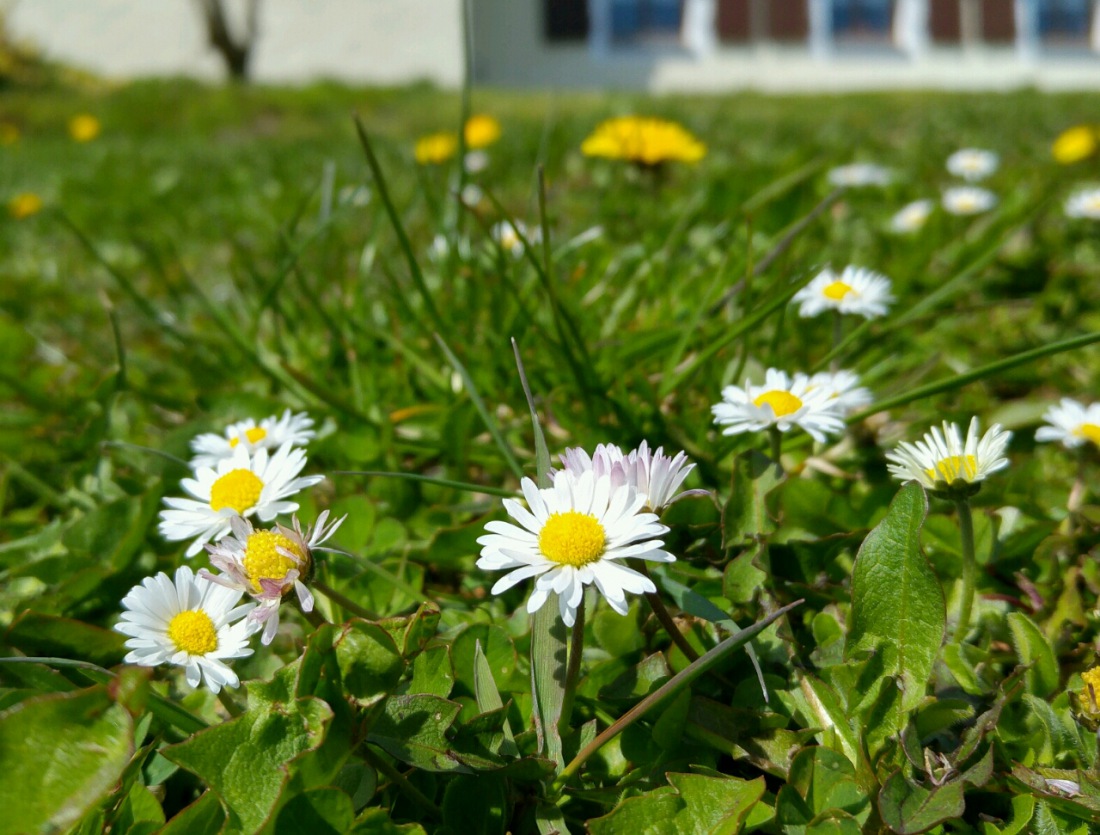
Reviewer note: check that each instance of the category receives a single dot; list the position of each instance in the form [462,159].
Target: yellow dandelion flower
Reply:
[481,131]
[435,148]
[84,127]
[1090,693]
[1075,144]
[24,205]
[9,133]
[644,141]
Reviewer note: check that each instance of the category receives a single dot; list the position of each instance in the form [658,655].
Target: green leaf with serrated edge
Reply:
[896,599]
[745,515]
[377,822]
[411,632]
[692,804]
[323,811]
[488,698]
[248,761]
[432,673]
[909,809]
[71,747]
[205,815]
[1033,648]
[476,805]
[825,780]
[370,663]
[413,729]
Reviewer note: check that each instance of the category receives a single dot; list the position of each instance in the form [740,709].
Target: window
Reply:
[565,20]
[645,20]
[862,18]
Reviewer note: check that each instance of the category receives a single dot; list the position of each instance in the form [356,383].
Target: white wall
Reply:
[372,41]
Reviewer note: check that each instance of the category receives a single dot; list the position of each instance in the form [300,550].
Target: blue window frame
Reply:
[631,19]
[1064,17]
[862,16]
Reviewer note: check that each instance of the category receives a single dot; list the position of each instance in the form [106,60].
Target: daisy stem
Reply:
[838,332]
[229,703]
[665,619]
[969,567]
[402,783]
[572,672]
[342,601]
[777,446]
[1076,493]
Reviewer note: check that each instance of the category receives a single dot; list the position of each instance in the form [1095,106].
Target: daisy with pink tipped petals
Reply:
[651,473]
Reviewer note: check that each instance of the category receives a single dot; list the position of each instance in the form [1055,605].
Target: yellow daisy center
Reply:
[239,489]
[783,403]
[838,290]
[193,631]
[1088,431]
[262,560]
[954,467]
[253,435]
[572,538]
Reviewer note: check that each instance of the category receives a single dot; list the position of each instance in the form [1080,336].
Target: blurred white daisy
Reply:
[191,623]
[783,402]
[472,194]
[855,290]
[844,389]
[1085,203]
[912,216]
[940,459]
[476,161]
[652,474]
[860,174]
[507,233]
[243,485]
[973,164]
[968,200]
[268,564]
[1071,423]
[574,534]
[269,433]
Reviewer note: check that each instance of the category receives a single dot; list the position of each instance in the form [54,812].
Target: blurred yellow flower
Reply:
[9,133]
[435,148]
[24,205]
[481,131]
[84,128]
[1075,144]
[645,141]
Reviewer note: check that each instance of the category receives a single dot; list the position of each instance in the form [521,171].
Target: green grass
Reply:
[186,272]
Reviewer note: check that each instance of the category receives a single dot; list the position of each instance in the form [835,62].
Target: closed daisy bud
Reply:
[946,464]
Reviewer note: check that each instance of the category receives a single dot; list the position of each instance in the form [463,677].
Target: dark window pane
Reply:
[566,20]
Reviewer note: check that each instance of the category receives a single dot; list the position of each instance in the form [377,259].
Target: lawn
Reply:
[214,255]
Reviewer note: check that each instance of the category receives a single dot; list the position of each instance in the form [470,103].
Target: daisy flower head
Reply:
[651,473]
[270,433]
[783,402]
[644,141]
[246,484]
[856,290]
[1075,144]
[269,564]
[435,148]
[948,465]
[191,623]
[972,164]
[508,234]
[1071,423]
[572,535]
[1085,203]
[912,216]
[857,174]
[844,389]
[968,200]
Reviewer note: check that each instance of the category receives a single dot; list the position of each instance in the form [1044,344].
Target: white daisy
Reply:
[973,164]
[968,200]
[507,234]
[940,460]
[1085,204]
[1071,423]
[476,161]
[652,474]
[574,535]
[269,564]
[912,216]
[860,174]
[269,433]
[855,290]
[472,194]
[239,486]
[844,389]
[192,623]
[783,402]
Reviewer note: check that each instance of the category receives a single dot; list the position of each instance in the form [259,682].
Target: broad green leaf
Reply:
[746,516]
[1054,737]
[1033,648]
[61,754]
[500,654]
[1023,807]
[830,716]
[896,599]
[323,811]
[376,821]
[370,663]
[826,780]
[488,698]
[476,805]
[962,661]
[692,805]
[204,815]
[619,635]
[908,808]
[413,729]
[140,813]
[668,730]
[432,673]
[548,670]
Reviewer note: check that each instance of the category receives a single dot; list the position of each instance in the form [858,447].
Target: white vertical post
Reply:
[911,27]
[1094,27]
[700,27]
[599,28]
[1027,30]
[820,13]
